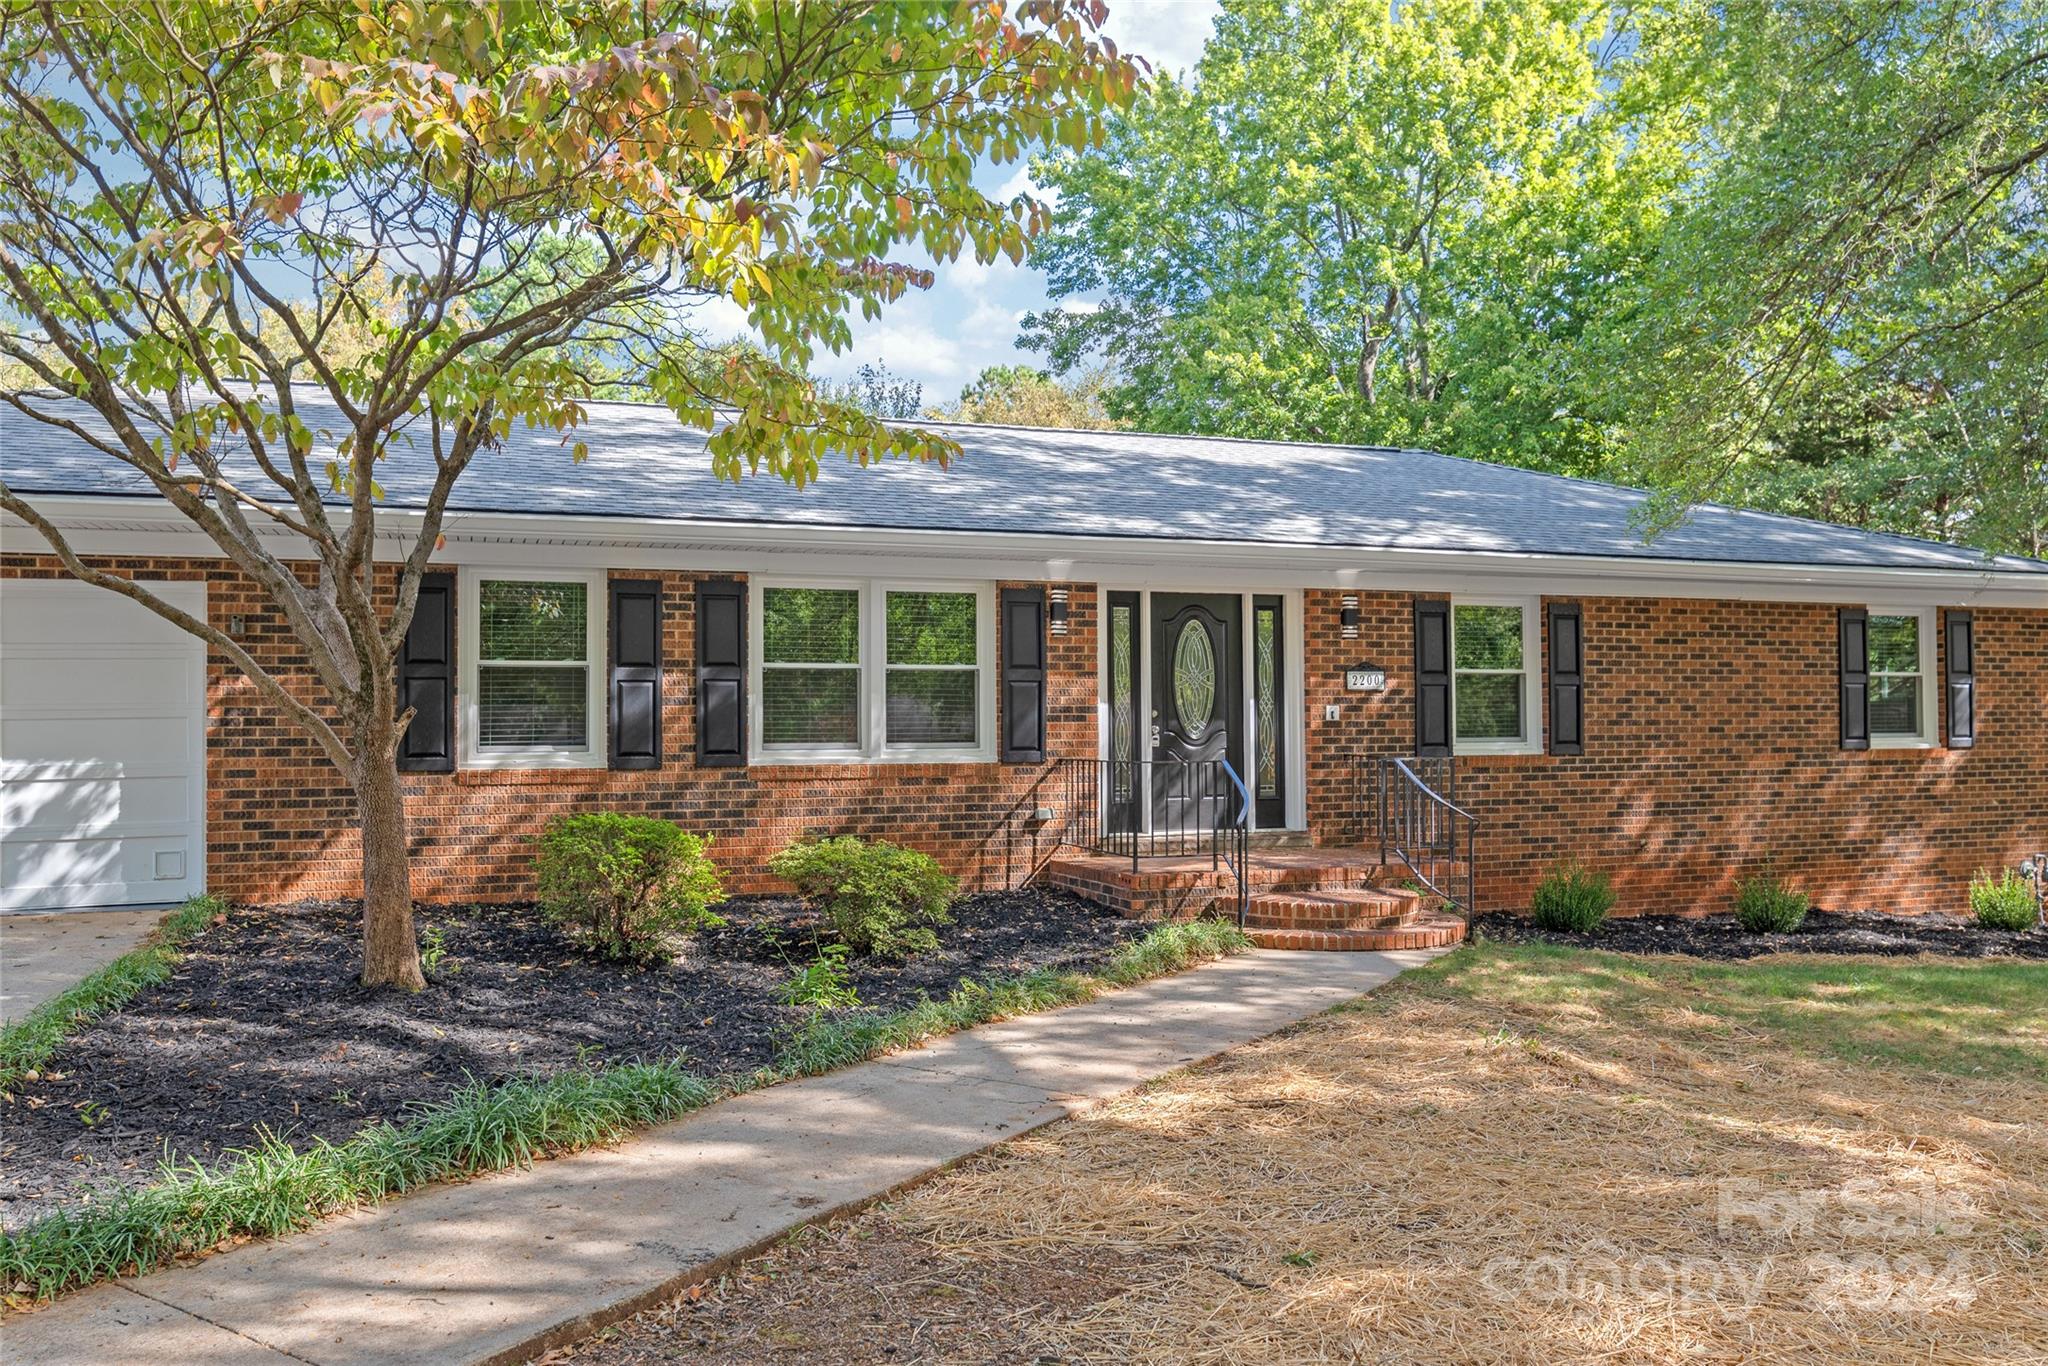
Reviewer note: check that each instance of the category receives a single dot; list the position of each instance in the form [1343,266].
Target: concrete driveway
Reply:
[43,952]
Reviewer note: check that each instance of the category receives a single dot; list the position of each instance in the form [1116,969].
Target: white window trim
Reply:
[468,644]
[1531,741]
[1922,736]
[874,702]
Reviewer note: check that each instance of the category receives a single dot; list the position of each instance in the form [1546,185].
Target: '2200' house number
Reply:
[1365,680]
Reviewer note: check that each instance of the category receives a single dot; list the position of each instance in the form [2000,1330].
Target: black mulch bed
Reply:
[1718,936]
[264,1026]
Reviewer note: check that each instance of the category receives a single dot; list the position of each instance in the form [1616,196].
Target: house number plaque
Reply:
[1365,678]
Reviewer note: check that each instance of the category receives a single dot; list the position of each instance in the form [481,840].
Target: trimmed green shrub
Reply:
[1573,899]
[2005,902]
[1766,904]
[621,884]
[878,897]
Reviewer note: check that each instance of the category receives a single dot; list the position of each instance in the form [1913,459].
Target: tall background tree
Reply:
[1361,222]
[1785,253]
[1847,312]
[436,221]
[1018,396]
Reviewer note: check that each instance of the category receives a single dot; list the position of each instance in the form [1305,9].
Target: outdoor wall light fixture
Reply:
[1348,616]
[1057,618]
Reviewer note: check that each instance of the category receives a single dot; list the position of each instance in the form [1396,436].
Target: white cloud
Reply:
[1020,182]
[719,319]
[935,357]
[964,272]
[989,316]
[934,342]
[1169,33]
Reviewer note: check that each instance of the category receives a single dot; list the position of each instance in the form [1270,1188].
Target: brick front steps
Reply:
[1345,908]
[1426,930]
[1433,931]
[1182,887]
[1368,919]
[1301,898]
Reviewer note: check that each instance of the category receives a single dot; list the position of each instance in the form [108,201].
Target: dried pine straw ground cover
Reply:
[1520,1154]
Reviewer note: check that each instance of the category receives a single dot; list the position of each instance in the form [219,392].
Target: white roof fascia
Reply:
[147,526]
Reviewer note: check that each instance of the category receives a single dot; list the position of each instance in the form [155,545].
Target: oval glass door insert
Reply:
[1194,679]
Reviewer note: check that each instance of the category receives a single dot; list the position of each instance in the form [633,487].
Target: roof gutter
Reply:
[142,525]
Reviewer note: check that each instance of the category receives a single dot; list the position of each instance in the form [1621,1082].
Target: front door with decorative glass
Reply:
[1195,698]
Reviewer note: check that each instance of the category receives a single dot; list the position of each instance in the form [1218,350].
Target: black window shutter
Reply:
[1432,677]
[1855,663]
[1022,619]
[721,673]
[426,679]
[636,673]
[1567,679]
[1962,680]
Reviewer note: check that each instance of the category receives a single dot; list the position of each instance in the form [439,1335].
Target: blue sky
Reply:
[944,336]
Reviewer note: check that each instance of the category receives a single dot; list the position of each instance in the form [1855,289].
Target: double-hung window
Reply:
[810,669]
[1494,707]
[873,670]
[933,679]
[533,655]
[1901,661]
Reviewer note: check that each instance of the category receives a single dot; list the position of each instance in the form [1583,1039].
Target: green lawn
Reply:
[1965,1018]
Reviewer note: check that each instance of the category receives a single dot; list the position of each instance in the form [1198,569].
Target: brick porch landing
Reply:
[1300,898]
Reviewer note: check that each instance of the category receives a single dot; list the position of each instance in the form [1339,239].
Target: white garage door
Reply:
[102,748]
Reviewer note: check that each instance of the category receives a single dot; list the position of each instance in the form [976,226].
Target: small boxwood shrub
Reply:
[1573,899]
[621,884]
[1766,904]
[2005,902]
[877,898]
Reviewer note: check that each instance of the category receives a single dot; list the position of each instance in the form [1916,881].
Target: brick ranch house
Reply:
[1058,659]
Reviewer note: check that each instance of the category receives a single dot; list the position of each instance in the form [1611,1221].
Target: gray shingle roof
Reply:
[643,464]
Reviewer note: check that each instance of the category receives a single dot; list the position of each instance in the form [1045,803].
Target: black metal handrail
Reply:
[1420,823]
[1161,808]
[1238,842]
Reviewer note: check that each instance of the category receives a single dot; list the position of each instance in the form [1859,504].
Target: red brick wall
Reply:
[1711,749]
[280,821]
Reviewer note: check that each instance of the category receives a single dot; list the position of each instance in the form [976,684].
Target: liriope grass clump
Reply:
[273,1188]
[1573,899]
[34,1039]
[827,1040]
[1767,904]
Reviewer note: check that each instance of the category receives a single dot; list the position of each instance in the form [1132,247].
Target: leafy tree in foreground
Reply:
[1847,314]
[196,198]
[1362,222]
[1017,395]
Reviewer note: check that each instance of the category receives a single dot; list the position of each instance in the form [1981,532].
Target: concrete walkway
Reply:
[44,952]
[500,1268]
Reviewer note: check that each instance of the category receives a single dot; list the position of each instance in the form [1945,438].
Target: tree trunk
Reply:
[391,951]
